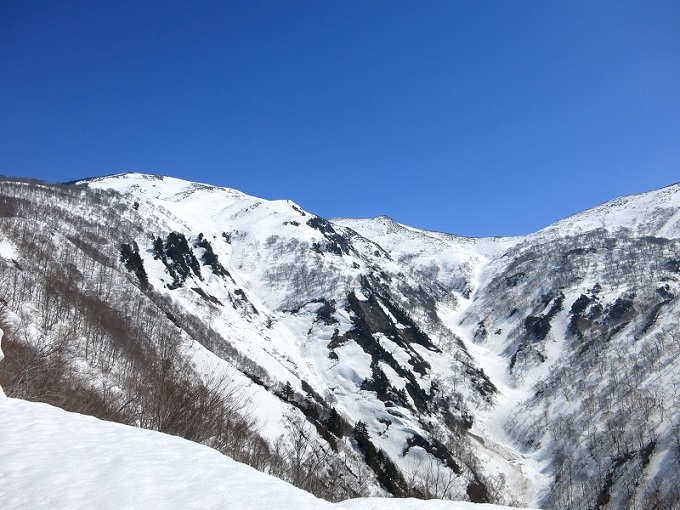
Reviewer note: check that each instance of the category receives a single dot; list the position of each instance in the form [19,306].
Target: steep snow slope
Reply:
[582,317]
[557,317]
[462,265]
[54,459]
[321,307]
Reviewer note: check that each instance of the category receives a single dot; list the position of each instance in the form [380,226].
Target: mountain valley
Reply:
[356,357]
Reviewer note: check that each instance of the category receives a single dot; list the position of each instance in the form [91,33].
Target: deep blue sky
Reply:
[471,117]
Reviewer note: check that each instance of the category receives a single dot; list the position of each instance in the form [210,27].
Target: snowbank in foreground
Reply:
[53,459]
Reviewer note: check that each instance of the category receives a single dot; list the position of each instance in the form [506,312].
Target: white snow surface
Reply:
[55,459]
[7,251]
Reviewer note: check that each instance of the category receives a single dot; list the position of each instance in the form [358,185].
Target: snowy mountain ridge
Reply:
[400,361]
[650,213]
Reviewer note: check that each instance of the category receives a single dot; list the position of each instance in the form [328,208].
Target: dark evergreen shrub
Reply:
[129,255]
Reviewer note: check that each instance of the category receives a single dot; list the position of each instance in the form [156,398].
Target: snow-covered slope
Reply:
[504,302]
[655,212]
[445,257]
[410,362]
[298,286]
[453,261]
[54,459]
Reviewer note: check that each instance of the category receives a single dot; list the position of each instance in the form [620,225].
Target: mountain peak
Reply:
[155,186]
[653,213]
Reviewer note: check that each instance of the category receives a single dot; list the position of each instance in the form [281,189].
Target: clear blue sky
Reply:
[471,117]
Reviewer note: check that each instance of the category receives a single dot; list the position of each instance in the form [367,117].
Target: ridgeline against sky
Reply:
[476,118]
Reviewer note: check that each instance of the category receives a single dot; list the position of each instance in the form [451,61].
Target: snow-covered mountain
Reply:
[364,357]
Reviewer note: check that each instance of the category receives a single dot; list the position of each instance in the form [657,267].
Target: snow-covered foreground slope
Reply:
[50,459]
